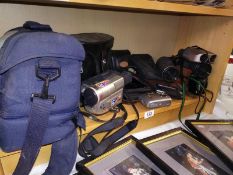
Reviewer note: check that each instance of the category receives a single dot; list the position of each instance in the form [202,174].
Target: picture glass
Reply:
[220,135]
[186,156]
[128,160]
[132,166]
[192,161]
[226,137]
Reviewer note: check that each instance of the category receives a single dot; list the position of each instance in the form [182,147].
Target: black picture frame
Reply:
[215,138]
[173,163]
[83,167]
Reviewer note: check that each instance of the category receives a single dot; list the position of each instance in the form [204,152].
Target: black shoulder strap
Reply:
[91,147]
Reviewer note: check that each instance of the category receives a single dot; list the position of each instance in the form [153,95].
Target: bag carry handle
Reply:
[35,26]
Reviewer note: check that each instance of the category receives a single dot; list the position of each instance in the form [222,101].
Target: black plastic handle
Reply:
[35,26]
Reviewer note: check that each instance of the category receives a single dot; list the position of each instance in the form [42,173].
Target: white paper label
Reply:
[149,114]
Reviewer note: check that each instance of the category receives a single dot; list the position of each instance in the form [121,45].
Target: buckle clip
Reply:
[47,77]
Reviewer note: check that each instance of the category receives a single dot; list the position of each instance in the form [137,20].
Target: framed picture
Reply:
[127,158]
[218,135]
[178,152]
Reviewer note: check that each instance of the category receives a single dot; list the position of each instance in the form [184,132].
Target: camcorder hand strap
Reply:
[91,147]
[96,119]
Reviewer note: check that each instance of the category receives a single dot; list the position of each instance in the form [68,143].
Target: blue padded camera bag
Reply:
[39,95]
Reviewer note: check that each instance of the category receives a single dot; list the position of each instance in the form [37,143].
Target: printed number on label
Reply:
[149,114]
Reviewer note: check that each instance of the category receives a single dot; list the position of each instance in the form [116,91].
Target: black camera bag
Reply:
[97,47]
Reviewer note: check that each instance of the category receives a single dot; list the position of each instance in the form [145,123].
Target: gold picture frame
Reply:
[218,135]
[127,156]
[179,152]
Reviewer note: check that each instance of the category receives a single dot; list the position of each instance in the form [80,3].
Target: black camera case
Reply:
[97,47]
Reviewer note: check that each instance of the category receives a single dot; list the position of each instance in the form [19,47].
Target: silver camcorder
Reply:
[105,91]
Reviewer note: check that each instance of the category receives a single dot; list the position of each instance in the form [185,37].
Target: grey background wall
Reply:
[141,33]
